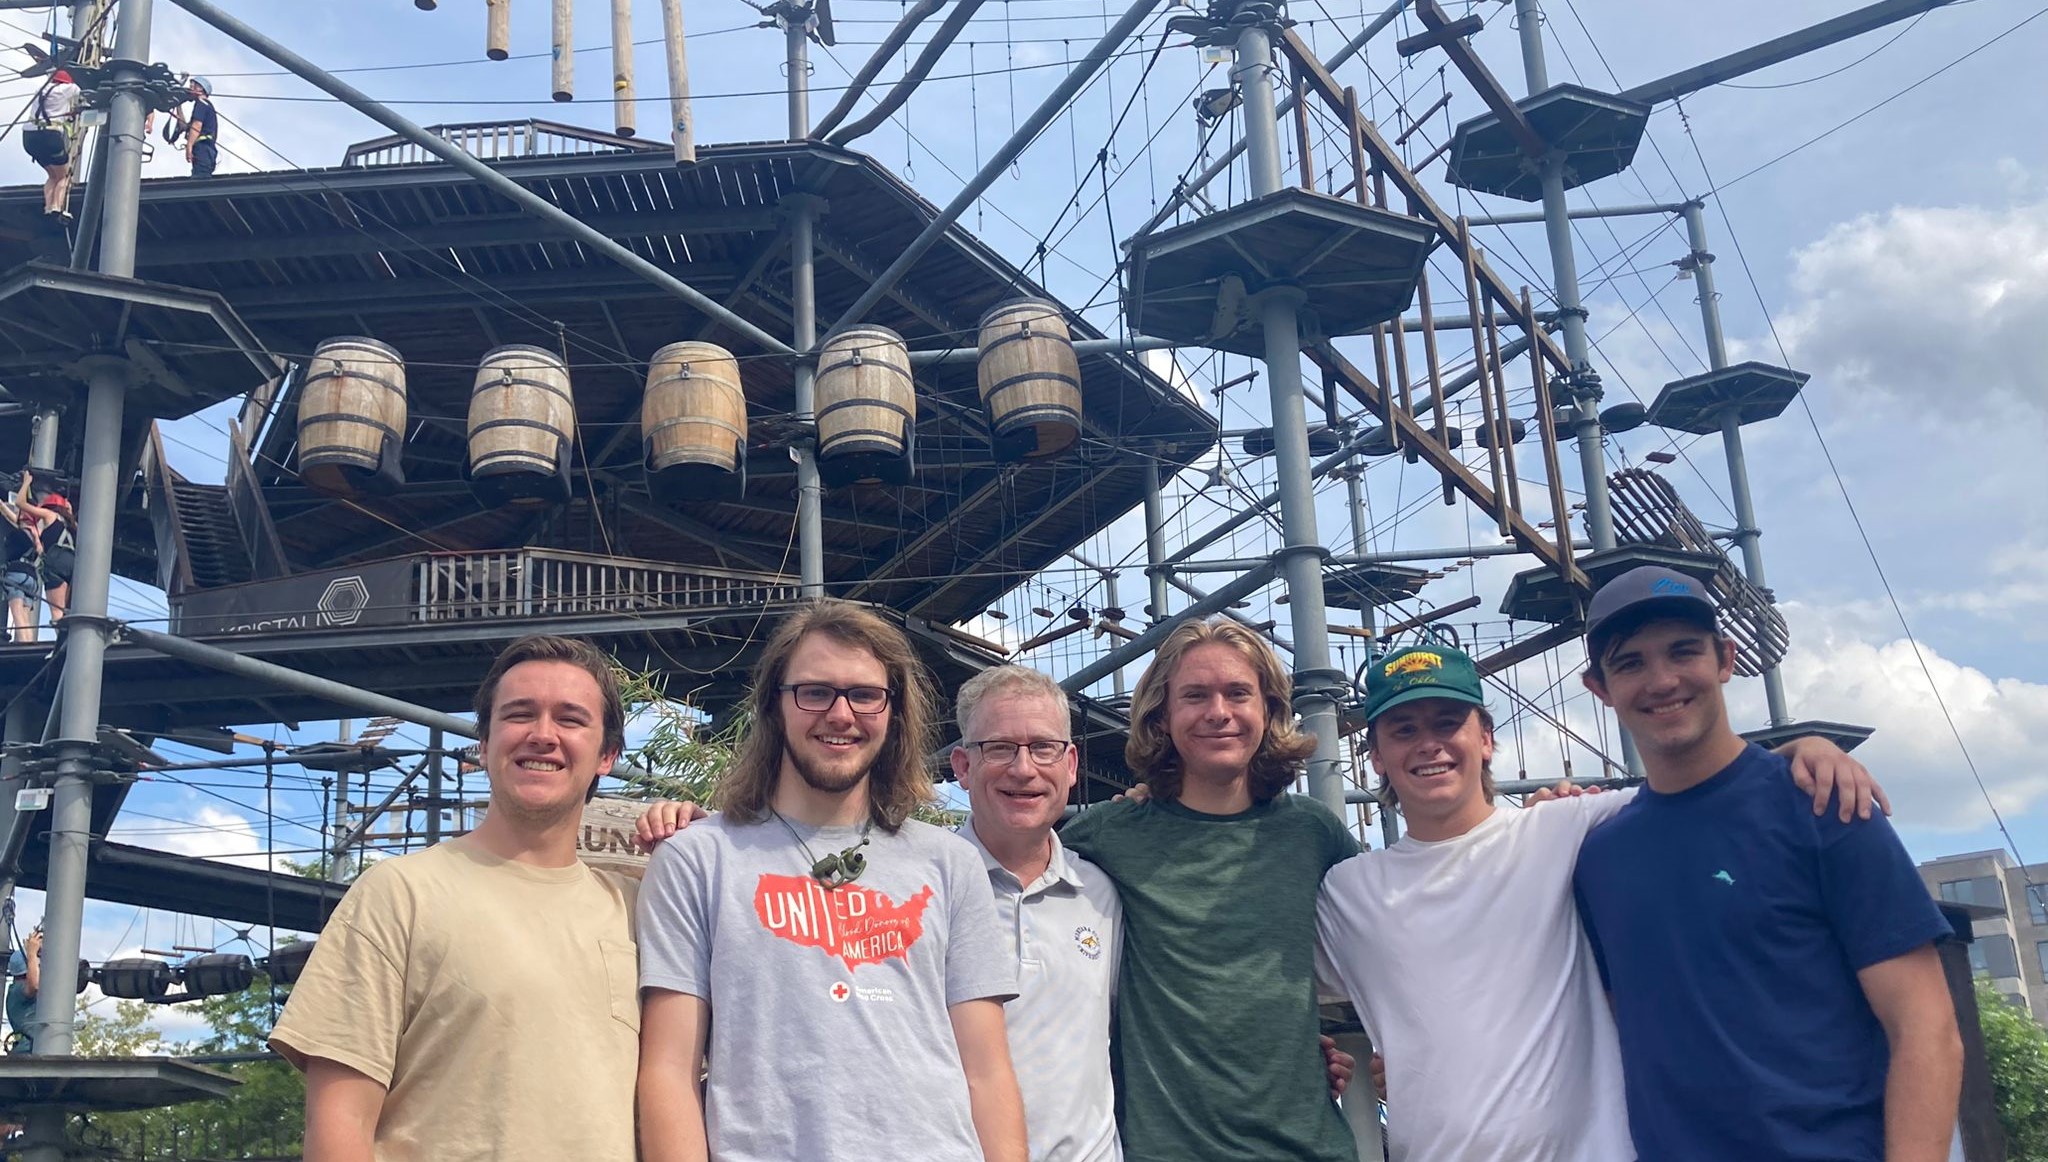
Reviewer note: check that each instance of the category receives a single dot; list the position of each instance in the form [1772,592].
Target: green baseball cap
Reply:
[1420,672]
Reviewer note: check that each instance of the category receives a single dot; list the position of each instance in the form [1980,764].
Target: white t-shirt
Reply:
[59,101]
[1471,972]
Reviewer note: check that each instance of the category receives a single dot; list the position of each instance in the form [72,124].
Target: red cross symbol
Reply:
[840,992]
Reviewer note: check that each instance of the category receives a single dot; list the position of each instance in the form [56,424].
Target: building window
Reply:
[1984,890]
[1978,966]
[2041,957]
[2037,904]
[1957,892]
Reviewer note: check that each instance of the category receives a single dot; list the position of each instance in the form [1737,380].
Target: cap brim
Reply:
[1418,693]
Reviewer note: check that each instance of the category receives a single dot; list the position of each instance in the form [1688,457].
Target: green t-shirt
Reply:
[1216,1008]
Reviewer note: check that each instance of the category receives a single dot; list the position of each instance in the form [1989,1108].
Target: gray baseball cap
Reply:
[1642,593]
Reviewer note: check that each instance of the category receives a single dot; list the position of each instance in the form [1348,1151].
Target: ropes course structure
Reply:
[1330,382]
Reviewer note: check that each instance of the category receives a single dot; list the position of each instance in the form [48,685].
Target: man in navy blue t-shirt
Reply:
[1772,968]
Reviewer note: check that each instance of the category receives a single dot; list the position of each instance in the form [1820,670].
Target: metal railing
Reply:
[549,583]
[497,141]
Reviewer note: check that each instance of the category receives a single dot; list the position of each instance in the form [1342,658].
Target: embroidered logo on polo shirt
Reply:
[1725,878]
[1087,942]
[853,924]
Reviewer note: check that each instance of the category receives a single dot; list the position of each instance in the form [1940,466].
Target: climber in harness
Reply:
[49,141]
[202,129]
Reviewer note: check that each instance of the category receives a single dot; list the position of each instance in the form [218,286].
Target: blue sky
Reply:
[1898,258]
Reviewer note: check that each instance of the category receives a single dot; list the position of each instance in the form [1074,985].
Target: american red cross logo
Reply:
[839,992]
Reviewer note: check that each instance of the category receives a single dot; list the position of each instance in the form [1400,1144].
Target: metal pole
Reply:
[519,195]
[1748,536]
[623,104]
[1564,267]
[1155,541]
[1186,190]
[997,164]
[94,205]
[1368,620]
[1301,554]
[435,744]
[803,262]
[1534,216]
[86,628]
[42,441]
[795,20]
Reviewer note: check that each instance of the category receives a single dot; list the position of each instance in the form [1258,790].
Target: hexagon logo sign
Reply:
[344,601]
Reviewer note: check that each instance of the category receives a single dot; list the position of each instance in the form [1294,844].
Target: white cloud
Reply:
[210,832]
[1936,307]
[1839,670]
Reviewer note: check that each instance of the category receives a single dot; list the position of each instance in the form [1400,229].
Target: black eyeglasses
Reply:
[818,697]
[1002,752]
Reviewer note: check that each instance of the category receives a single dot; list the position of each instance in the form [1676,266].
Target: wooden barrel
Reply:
[352,416]
[693,423]
[1030,378]
[521,419]
[867,408]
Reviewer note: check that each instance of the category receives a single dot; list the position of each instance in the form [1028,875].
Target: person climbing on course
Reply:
[202,129]
[49,143]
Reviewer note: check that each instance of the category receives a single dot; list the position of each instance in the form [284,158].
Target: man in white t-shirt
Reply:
[1460,945]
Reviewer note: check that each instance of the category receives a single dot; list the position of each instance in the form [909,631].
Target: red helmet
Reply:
[61,77]
[56,500]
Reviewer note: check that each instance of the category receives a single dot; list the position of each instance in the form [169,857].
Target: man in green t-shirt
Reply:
[1218,871]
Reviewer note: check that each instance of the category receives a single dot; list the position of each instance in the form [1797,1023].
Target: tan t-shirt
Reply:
[497,1002]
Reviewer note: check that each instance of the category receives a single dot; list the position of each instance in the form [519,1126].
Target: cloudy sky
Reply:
[1879,211]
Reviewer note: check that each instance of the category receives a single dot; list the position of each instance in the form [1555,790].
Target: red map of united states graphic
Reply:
[855,924]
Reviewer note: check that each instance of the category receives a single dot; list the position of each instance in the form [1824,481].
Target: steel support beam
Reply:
[1779,49]
[1748,536]
[1534,216]
[998,163]
[521,196]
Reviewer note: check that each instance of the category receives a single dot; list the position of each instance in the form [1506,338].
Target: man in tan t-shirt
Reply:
[479,999]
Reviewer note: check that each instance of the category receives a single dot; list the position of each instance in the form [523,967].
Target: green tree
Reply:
[2017,1047]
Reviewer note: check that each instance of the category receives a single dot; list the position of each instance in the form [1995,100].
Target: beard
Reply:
[818,778]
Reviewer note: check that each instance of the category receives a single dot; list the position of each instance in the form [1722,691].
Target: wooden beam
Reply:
[1491,91]
[1387,162]
[1529,647]
[1413,436]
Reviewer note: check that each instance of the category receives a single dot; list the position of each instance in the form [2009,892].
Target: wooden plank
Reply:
[1388,162]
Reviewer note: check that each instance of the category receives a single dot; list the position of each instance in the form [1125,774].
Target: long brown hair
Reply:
[1282,753]
[899,782]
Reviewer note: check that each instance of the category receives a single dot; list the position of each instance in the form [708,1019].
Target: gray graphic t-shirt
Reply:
[830,1036]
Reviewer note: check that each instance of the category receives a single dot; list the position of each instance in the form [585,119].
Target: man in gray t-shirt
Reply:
[836,962]
[831,1037]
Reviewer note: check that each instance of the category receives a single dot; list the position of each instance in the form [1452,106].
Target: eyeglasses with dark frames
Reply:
[1002,752]
[817,697]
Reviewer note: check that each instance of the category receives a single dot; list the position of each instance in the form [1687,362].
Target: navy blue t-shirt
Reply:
[1729,922]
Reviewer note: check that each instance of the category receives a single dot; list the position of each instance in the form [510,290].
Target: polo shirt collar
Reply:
[1060,870]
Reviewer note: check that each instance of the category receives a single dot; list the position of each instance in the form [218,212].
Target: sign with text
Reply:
[378,593]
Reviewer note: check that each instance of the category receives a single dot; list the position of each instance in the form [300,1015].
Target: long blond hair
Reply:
[1283,752]
[900,781]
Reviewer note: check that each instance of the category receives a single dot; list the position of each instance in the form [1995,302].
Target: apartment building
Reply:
[2011,926]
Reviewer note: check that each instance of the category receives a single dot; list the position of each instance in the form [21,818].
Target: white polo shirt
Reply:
[1066,930]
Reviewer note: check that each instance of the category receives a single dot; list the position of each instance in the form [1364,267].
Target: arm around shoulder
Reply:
[342,1109]
[997,1106]
[674,1028]
[1910,996]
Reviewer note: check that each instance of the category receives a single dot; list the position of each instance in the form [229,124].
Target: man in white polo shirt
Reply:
[1058,913]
